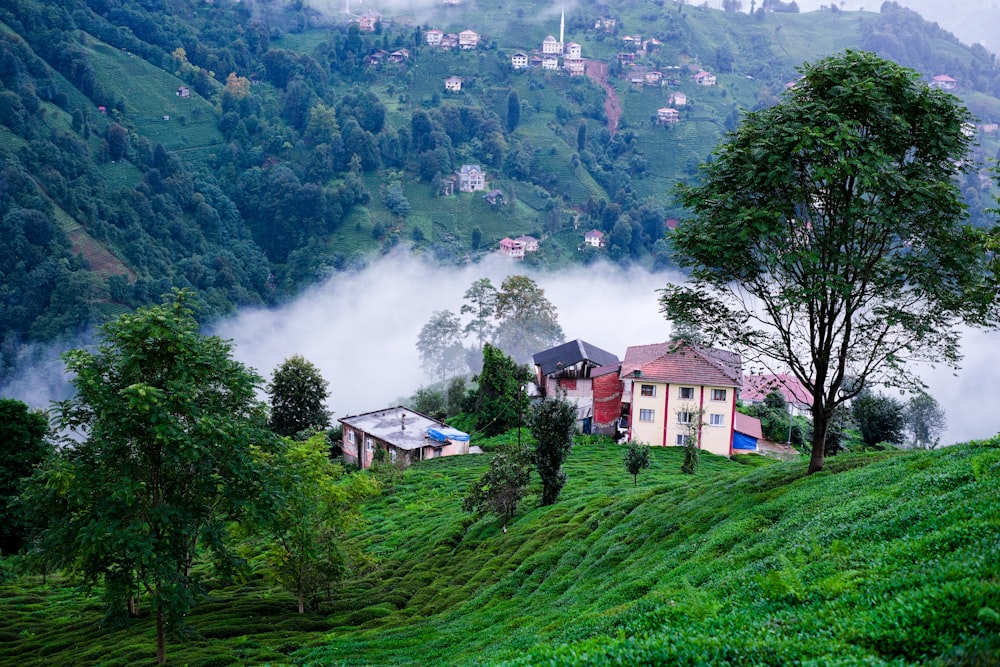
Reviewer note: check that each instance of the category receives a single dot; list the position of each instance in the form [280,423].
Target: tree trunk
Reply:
[302,601]
[161,644]
[821,422]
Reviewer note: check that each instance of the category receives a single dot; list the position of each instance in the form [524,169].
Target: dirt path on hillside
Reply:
[598,71]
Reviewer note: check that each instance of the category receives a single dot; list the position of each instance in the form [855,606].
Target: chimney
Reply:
[402,420]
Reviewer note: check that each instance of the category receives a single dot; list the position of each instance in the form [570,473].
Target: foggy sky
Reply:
[972,21]
[360,329]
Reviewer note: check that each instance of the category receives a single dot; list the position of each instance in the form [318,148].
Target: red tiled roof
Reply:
[748,425]
[683,363]
[757,387]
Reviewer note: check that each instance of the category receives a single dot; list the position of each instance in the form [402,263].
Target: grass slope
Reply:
[882,559]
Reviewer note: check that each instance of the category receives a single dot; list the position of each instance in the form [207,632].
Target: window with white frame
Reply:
[351,437]
[716,420]
[646,415]
[684,417]
[682,439]
[369,444]
[687,392]
[648,390]
[718,394]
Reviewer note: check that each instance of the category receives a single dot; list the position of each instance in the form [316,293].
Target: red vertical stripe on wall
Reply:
[701,414]
[732,424]
[666,412]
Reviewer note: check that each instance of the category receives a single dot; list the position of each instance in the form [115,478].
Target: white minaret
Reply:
[562,27]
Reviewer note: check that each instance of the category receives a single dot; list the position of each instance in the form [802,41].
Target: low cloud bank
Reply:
[361,328]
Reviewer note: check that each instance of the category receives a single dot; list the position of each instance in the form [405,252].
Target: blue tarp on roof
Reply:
[445,433]
[744,442]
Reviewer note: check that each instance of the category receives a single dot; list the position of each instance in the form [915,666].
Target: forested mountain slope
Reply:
[248,149]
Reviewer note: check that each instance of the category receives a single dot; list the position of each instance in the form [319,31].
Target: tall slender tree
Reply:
[552,422]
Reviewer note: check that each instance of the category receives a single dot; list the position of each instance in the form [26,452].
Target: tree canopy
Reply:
[827,234]
[23,445]
[527,320]
[500,400]
[298,394]
[552,422]
[166,420]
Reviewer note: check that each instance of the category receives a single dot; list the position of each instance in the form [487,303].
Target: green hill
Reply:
[248,190]
[882,559]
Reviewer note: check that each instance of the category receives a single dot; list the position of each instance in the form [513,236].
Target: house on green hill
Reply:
[676,390]
[585,375]
[704,78]
[404,435]
[471,178]
[565,369]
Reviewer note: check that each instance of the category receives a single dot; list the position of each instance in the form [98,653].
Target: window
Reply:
[646,415]
[687,392]
[648,390]
[350,437]
[684,417]
[392,454]
[682,439]
[715,420]
[369,444]
[718,394]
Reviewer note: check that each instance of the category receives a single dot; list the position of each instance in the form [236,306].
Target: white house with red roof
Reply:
[512,248]
[468,40]
[594,238]
[944,82]
[704,78]
[667,115]
[676,390]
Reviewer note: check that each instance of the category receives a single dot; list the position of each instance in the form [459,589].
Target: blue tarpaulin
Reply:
[744,442]
[445,433]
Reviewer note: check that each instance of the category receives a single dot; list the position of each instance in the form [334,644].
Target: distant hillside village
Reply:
[555,55]
[664,394]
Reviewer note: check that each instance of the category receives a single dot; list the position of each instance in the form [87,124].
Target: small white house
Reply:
[704,78]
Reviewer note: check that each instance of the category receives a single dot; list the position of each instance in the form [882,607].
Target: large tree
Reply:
[23,445]
[440,345]
[880,418]
[925,421]
[527,320]
[165,422]
[298,394]
[480,303]
[828,235]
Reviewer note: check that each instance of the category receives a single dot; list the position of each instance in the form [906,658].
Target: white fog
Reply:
[360,329]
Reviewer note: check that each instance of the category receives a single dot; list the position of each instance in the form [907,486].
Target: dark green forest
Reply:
[247,150]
